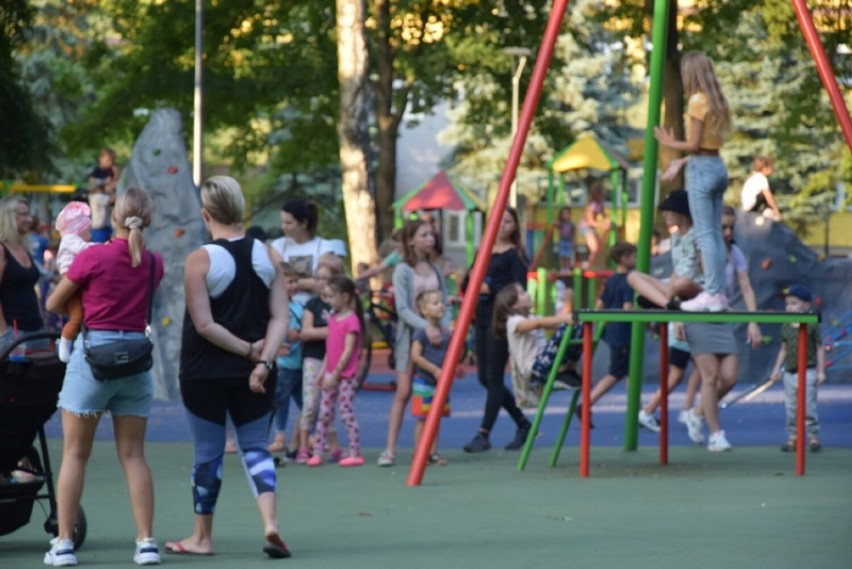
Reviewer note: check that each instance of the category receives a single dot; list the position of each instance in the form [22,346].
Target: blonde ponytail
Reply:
[133,210]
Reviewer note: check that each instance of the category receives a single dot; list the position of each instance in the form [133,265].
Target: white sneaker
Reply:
[694,426]
[706,302]
[718,442]
[649,421]
[147,552]
[681,417]
[65,349]
[61,553]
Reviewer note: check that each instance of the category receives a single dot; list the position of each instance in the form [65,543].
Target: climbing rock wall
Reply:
[159,165]
[776,258]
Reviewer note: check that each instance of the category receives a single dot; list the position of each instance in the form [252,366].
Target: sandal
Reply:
[789,446]
[814,445]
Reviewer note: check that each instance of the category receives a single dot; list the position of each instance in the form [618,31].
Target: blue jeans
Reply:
[706,182]
[288,385]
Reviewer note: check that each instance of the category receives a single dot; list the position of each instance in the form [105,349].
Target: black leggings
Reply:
[491,356]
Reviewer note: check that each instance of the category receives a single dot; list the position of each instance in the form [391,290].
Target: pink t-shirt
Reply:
[336,341]
[114,295]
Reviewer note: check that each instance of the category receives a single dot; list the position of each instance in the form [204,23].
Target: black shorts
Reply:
[619,361]
[679,358]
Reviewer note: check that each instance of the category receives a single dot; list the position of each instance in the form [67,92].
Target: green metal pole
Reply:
[550,217]
[470,248]
[646,213]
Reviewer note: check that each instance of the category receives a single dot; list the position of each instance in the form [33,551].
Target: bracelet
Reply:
[251,349]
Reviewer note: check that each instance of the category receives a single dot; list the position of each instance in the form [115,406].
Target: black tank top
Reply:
[243,309]
[18,296]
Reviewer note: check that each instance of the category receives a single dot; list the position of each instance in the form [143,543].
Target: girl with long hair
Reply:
[708,122]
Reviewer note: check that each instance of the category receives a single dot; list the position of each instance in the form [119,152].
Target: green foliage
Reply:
[25,135]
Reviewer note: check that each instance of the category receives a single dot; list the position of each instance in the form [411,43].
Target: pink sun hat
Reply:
[74,219]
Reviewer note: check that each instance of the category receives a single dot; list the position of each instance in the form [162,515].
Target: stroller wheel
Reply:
[80,529]
[51,526]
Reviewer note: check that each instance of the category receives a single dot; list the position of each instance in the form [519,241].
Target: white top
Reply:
[99,206]
[69,247]
[304,257]
[524,346]
[752,188]
[223,268]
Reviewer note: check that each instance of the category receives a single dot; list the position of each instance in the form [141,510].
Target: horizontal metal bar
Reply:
[759,317]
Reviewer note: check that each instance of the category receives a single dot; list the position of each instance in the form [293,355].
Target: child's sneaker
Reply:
[335,455]
[351,461]
[649,421]
[61,553]
[302,456]
[387,458]
[315,460]
[147,552]
[718,442]
[706,302]
[64,351]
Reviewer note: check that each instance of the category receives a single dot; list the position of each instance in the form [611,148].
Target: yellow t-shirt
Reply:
[697,108]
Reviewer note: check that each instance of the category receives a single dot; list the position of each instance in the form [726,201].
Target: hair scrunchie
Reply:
[133,222]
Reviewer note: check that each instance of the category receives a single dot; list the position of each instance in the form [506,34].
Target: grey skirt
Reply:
[706,338]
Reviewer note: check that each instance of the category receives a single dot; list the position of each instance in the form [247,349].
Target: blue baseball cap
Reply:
[801,292]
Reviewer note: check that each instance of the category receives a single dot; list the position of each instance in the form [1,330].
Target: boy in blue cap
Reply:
[798,298]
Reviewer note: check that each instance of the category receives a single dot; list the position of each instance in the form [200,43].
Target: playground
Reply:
[746,508]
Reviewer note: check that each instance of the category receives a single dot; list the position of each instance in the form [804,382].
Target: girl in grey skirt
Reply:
[714,351]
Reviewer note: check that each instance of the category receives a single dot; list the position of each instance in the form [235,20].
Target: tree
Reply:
[354,146]
[25,135]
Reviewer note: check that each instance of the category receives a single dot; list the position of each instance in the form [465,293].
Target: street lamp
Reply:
[520,54]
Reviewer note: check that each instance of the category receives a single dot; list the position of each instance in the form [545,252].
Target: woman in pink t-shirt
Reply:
[113,281]
[339,368]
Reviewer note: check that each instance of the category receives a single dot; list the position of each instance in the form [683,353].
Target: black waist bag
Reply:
[124,357]
[120,359]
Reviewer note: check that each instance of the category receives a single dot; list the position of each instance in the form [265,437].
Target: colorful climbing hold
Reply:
[166,320]
[156,152]
[179,232]
[766,263]
[792,259]
[172,169]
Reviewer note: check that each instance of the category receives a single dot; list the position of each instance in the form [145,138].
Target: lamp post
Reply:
[520,54]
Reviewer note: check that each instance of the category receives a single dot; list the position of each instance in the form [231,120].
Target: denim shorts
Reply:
[83,395]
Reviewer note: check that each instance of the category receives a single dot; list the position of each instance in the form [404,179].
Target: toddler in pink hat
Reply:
[74,224]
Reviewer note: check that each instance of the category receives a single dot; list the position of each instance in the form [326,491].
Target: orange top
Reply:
[697,108]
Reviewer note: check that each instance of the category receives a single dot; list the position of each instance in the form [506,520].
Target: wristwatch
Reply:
[268,365]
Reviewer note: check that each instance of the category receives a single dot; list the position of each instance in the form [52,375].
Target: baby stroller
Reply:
[30,380]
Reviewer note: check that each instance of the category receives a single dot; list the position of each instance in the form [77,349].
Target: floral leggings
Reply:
[310,393]
[345,392]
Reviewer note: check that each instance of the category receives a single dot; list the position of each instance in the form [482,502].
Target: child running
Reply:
[798,298]
[428,359]
[616,295]
[339,368]
[74,224]
[531,353]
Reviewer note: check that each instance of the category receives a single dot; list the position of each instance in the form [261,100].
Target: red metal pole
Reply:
[477,274]
[664,393]
[826,74]
[586,417]
[800,412]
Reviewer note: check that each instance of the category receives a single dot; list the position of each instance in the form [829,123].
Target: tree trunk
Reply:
[352,73]
[673,97]
[390,106]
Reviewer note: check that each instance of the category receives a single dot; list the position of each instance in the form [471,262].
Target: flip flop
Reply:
[275,547]
[178,548]
[436,458]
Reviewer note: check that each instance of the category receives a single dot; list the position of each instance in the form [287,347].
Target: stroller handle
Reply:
[28,337]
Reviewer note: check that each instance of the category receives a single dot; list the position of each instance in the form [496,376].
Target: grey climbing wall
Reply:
[160,166]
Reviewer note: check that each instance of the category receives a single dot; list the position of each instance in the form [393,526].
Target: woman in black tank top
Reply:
[19,309]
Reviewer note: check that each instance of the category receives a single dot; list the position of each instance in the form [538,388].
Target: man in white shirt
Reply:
[756,194]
